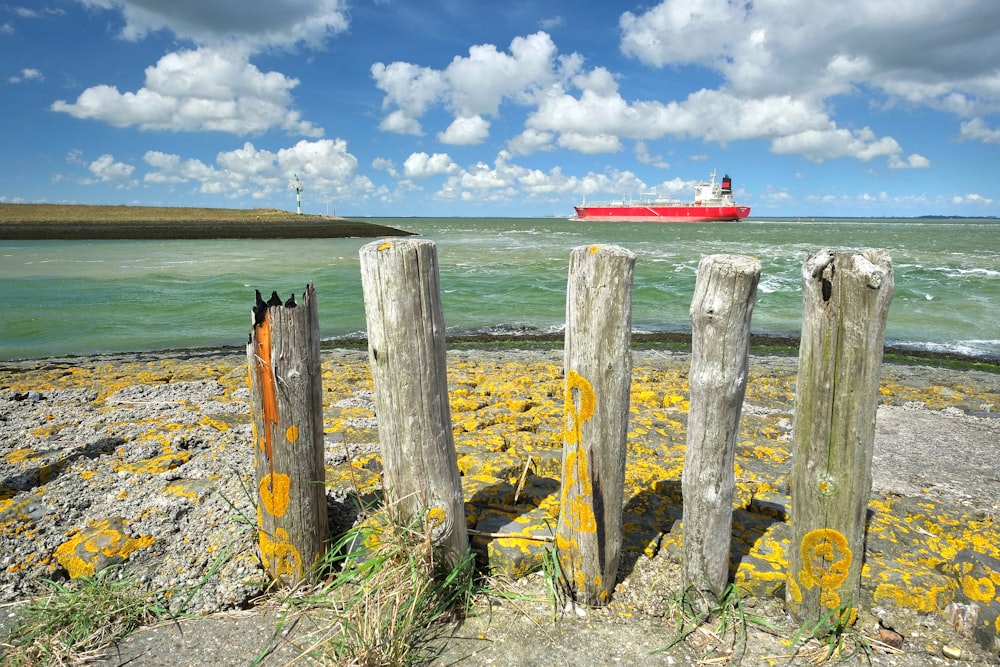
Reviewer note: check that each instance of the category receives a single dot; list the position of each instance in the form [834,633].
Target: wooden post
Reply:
[845,304]
[407,354]
[723,303]
[286,399]
[598,358]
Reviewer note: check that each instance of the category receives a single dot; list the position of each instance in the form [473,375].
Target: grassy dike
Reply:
[29,222]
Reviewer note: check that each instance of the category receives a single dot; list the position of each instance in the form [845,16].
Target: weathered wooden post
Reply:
[598,359]
[286,398]
[723,302]
[407,354]
[846,301]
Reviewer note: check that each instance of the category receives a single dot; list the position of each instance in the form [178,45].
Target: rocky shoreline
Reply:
[146,460]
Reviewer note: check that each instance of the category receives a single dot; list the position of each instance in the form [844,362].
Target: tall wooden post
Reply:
[598,358]
[286,394]
[846,301]
[407,354]
[723,302]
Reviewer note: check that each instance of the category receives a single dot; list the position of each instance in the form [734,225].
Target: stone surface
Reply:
[156,449]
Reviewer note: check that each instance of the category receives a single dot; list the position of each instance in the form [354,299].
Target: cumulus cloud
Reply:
[213,87]
[422,165]
[504,180]
[530,141]
[832,142]
[466,131]
[939,53]
[584,111]
[471,87]
[107,170]
[325,166]
[913,161]
[204,89]
[930,50]
[977,130]
[253,25]
[386,165]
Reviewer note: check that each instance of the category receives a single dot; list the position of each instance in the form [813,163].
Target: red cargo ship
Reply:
[713,202]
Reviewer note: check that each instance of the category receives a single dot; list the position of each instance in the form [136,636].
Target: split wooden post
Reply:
[598,360]
[724,295]
[846,301]
[407,354]
[286,398]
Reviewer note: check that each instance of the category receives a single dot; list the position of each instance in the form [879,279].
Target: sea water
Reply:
[497,275]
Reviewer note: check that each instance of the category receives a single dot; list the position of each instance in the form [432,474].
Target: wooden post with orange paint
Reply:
[286,398]
[598,366]
[407,356]
[846,301]
[723,303]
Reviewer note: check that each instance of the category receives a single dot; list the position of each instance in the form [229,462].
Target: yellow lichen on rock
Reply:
[103,543]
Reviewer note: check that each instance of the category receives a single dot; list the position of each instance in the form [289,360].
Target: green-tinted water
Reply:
[61,297]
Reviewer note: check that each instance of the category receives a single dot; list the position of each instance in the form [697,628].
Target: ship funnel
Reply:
[727,185]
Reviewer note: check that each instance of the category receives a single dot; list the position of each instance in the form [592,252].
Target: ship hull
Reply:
[689,213]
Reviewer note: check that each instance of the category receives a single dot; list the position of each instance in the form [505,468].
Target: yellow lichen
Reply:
[274,493]
[435,518]
[826,560]
[79,555]
[579,405]
[980,589]
[280,556]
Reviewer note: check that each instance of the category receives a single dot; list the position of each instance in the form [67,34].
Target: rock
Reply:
[978,577]
[514,555]
[101,545]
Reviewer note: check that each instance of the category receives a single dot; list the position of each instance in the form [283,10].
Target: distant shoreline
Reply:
[39,222]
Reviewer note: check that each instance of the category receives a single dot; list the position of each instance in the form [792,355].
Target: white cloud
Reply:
[28,13]
[679,32]
[27,74]
[832,142]
[386,165]
[325,167]
[214,22]
[782,66]
[205,89]
[913,161]
[551,22]
[979,199]
[921,53]
[505,181]
[977,130]
[400,123]
[422,165]
[471,87]
[106,170]
[530,141]
[643,155]
[466,131]
[590,143]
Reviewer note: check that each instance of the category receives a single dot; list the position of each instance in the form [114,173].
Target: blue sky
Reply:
[515,108]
